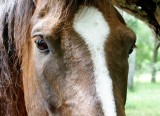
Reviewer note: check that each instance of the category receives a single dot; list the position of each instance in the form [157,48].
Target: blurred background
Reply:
[143,97]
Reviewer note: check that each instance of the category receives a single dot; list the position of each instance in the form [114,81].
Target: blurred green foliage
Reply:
[144,101]
[145,45]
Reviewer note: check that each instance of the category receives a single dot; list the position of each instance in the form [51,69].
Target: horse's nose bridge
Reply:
[95,30]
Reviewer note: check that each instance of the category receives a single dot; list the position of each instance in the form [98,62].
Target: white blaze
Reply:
[94,29]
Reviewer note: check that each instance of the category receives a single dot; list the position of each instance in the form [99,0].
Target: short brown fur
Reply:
[59,93]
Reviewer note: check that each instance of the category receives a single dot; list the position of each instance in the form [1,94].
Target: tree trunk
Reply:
[146,10]
[132,62]
[155,56]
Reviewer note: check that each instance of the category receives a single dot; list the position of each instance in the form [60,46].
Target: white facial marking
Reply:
[94,29]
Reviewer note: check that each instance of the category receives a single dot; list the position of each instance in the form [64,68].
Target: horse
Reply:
[63,58]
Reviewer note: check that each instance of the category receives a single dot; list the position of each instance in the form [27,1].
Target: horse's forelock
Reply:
[15,17]
[70,7]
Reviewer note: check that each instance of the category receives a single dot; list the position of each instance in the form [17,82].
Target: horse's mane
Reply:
[15,16]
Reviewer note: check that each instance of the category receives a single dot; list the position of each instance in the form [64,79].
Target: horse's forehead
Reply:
[94,30]
[40,2]
[46,19]
[48,13]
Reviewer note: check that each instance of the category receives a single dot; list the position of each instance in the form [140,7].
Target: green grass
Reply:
[144,100]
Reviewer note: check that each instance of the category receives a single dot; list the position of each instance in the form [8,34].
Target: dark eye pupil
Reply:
[41,44]
[131,50]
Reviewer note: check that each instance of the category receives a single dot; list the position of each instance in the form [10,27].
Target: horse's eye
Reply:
[41,44]
[132,48]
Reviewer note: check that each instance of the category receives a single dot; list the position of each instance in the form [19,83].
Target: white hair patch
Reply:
[94,29]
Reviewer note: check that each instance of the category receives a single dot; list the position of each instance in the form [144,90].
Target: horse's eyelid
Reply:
[41,36]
